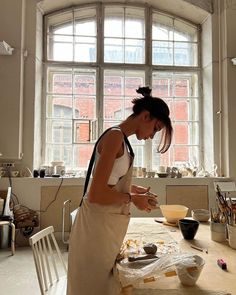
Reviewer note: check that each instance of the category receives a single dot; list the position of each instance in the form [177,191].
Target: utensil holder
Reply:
[218,231]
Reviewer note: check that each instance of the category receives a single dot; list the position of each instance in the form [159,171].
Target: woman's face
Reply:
[148,128]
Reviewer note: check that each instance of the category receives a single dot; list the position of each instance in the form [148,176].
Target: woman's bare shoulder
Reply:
[113,134]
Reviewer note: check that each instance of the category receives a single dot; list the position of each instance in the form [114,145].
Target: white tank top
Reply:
[120,167]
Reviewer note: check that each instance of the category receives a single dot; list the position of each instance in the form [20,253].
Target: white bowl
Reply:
[173,213]
[200,214]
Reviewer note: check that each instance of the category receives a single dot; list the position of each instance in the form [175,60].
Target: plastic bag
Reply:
[141,272]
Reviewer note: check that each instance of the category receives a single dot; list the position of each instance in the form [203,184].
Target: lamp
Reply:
[5,49]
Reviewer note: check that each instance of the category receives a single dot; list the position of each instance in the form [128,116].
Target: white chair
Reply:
[8,212]
[12,225]
[47,257]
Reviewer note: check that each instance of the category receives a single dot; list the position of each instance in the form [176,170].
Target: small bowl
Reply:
[173,213]
[162,174]
[202,215]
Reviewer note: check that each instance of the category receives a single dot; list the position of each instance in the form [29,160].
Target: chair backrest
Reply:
[46,257]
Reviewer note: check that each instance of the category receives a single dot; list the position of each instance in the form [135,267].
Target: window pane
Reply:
[60,48]
[59,153]
[177,156]
[162,27]
[185,32]
[84,107]
[139,156]
[59,131]
[59,106]
[174,42]
[186,133]
[85,82]
[60,23]
[179,90]
[128,106]
[132,81]
[114,21]
[121,84]
[113,108]
[72,36]
[81,131]
[124,31]
[167,84]
[85,21]
[85,99]
[185,109]
[162,53]
[114,50]
[85,49]
[81,156]
[59,81]
[185,54]
[134,22]
[112,82]
[134,51]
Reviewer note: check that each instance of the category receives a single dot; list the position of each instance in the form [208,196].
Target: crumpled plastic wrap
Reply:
[184,265]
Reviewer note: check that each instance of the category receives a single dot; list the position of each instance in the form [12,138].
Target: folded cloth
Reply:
[186,291]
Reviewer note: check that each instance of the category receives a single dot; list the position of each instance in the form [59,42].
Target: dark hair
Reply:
[158,109]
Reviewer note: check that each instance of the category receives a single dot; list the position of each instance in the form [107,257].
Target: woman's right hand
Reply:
[145,202]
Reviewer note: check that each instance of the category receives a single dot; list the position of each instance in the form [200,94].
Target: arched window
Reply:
[96,57]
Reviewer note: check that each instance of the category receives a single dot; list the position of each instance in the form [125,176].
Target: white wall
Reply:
[18,81]
[28,190]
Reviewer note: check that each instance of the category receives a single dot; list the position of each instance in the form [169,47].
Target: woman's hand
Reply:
[139,189]
[145,201]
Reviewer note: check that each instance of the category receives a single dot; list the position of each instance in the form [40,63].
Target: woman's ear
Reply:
[145,115]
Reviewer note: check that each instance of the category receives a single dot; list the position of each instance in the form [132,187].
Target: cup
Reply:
[218,231]
[14,173]
[2,173]
[60,170]
[188,228]
[189,270]
[135,171]
[161,169]
[231,236]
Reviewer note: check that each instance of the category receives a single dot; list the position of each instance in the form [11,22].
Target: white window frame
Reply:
[100,67]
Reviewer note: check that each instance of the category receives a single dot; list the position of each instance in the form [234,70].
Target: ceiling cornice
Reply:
[206,5]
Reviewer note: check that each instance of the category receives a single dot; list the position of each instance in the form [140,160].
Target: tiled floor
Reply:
[18,274]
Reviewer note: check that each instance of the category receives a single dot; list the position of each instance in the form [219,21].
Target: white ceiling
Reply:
[196,12]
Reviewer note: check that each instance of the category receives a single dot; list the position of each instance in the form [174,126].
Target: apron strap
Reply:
[91,162]
[129,145]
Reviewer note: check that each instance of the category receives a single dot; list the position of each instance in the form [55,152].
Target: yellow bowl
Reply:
[173,213]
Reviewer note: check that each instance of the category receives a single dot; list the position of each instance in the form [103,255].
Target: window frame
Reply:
[100,66]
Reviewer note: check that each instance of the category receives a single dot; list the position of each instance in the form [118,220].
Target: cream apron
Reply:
[95,241]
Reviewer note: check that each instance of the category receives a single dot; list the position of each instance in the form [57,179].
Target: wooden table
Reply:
[212,276]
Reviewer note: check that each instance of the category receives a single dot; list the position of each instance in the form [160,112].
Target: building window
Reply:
[96,57]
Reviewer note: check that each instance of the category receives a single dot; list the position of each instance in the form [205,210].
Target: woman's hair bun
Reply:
[145,91]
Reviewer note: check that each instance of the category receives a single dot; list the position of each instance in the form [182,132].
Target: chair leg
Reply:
[13,231]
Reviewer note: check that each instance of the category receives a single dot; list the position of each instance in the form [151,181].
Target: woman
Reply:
[101,224]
